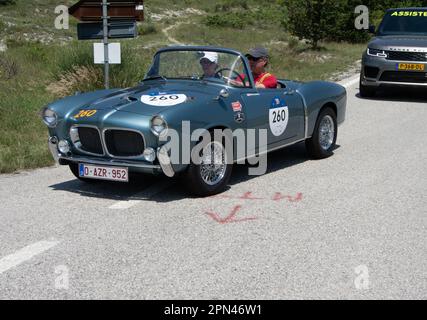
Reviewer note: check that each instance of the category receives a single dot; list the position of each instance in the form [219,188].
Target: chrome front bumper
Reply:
[164,167]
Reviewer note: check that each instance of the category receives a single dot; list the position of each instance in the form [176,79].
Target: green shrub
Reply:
[317,20]
[8,68]
[232,20]
[311,19]
[2,27]
[146,28]
[293,44]
[237,14]
[227,5]
[6,2]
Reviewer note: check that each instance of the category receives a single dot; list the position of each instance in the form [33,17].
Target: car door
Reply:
[278,111]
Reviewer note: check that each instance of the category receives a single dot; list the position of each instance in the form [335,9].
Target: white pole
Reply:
[106,58]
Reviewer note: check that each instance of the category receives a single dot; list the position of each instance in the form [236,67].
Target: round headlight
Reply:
[149,154]
[159,126]
[64,146]
[49,117]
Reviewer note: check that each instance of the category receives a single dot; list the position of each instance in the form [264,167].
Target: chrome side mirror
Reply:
[224,93]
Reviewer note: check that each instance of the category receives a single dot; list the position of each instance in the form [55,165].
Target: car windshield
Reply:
[404,22]
[212,66]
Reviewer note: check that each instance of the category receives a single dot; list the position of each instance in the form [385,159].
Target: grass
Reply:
[34,71]
[288,60]
[23,136]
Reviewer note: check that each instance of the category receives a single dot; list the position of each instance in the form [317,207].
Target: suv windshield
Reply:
[220,67]
[404,22]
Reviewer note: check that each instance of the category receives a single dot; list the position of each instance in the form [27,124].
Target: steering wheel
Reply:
[219,73]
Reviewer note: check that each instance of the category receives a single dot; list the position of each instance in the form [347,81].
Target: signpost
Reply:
[107,19]
[91,10]
[116,30]
[114,53]
[106,59]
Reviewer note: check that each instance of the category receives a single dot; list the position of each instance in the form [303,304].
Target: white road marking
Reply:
[350,83]
[146,194]
[25,254]
[123,205]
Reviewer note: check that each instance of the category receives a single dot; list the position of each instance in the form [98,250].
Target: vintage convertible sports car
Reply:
[111,134]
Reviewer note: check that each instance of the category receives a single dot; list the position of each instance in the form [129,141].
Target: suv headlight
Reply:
[50,118]
[159,126]
[377,53]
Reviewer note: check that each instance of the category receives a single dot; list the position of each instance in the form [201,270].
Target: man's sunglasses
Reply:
[250,58]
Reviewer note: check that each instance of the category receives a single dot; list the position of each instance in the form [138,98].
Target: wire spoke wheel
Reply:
[326,132]
[214,163]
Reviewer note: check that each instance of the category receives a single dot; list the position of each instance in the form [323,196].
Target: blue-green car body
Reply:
[204,107]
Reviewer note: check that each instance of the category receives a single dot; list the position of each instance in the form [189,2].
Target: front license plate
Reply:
[103,173]
[411,66]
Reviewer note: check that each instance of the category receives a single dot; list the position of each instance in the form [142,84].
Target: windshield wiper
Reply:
[155,77]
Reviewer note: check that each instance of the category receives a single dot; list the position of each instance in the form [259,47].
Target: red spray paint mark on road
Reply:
[278,196]
[230,218]
[248,196]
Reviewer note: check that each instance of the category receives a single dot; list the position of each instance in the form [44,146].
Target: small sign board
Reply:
[91,10]
[116,30]
[114,53]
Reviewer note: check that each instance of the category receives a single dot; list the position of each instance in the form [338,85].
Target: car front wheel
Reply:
[322,143]
[213,172]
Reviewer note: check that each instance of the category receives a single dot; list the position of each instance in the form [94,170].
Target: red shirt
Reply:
[267,79]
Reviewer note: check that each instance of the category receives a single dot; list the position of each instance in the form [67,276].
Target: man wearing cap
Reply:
[209,63]
[258,60]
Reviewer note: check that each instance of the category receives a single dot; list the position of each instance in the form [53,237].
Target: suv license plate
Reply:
[411,66]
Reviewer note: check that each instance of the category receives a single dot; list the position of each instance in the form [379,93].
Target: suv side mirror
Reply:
[372,29]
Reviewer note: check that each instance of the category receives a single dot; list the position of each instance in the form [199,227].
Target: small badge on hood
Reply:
[239,117]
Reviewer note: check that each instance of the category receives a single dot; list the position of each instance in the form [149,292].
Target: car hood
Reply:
[151,99]
[399,42]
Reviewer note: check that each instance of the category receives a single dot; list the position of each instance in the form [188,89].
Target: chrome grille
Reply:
[407,56]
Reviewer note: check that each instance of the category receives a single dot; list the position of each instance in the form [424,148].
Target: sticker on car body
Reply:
[236,106]
[163,99]
[278,117]
[409,14]
[85,114]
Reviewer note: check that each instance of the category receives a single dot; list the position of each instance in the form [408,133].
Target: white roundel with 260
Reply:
[164,100]
[278,118]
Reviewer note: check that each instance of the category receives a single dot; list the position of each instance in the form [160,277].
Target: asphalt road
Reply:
[351,226]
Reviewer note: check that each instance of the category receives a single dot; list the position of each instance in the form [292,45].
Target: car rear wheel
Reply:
[212,175]
[322,143]
[366,91]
